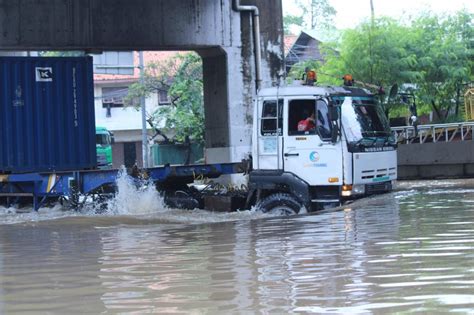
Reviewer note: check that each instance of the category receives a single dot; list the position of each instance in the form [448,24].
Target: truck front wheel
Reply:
[279,204]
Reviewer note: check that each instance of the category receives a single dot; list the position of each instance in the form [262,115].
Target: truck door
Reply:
[269,134]
[307,150]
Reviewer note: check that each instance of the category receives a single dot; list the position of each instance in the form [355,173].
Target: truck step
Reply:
[325,200]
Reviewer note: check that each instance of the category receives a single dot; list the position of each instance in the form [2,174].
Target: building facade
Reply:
[114,73]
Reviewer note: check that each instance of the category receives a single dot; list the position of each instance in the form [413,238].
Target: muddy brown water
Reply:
[408,251]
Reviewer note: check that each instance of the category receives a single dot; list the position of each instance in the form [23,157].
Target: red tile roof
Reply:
[288,42]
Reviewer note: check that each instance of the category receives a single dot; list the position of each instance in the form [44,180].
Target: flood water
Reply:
[408,251]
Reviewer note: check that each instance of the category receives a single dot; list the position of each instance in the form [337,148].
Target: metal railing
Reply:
[461,131]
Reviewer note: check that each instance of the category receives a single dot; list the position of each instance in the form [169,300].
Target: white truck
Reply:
[346,151]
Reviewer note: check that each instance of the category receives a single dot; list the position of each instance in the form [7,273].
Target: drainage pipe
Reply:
[256,37]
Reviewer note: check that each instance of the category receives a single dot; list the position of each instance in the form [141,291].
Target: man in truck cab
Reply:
[307,124]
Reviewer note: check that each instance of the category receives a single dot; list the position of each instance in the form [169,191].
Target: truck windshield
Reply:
[102,139]
[363,118]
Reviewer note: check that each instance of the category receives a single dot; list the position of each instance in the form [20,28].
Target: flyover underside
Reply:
[222,36]
[114,24]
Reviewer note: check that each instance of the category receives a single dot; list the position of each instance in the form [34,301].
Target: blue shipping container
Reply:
[47,120]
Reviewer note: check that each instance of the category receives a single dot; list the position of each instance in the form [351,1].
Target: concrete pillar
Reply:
[228,97]
[216,97]
[229,81]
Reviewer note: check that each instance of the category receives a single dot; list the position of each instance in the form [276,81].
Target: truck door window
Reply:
[301,117]
[272,118]
[323,122]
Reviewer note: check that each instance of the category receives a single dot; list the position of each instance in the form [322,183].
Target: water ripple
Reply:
[406,252]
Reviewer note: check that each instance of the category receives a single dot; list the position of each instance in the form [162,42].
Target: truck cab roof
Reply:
[304,90]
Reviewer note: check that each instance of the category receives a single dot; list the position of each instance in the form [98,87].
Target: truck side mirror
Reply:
[334,133]
[334,116]
[333,113]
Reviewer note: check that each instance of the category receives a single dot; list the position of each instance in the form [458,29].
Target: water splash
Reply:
[133,199]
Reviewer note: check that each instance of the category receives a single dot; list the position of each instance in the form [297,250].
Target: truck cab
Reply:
[314,146]
[104,140]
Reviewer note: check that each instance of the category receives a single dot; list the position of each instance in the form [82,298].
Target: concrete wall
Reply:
[436,160]
[222,37]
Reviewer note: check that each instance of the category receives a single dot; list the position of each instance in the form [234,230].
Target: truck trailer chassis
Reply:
[40,188]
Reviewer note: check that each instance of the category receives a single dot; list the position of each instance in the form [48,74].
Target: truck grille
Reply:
[370,174]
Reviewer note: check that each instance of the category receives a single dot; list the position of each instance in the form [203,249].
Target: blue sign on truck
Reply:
[47,118]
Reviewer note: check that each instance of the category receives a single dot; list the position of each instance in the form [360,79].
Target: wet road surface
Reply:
[408,251]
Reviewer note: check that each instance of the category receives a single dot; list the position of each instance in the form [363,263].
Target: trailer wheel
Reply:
[279,204]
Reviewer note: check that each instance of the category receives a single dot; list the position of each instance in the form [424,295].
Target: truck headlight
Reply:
[346,190]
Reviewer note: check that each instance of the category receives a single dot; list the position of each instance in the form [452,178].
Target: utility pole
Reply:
[143,109]
[372,22]
[372,12]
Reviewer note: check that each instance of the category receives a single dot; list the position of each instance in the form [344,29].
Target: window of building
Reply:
[272,118]
[163,97]
[113,96]
[114,62]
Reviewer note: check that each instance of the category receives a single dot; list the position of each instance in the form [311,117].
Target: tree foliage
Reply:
[290,20]
[318,14]
[181,76]
[69,53]
[299,69]
[445,64]
[431,53]
[314,15]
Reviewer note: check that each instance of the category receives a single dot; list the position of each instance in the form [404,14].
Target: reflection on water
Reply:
[411,251]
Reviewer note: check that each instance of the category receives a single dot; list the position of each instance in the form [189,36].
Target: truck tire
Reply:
[279,204]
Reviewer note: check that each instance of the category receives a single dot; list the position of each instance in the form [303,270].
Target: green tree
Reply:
[314,15]
[298,70]
[444,49]
[318,14]
[376,55]
[71,53]
[290,20]
[181,76]
[433,54]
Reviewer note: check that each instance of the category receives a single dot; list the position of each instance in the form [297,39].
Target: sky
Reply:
[351,12]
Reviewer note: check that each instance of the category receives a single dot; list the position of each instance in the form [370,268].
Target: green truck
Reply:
[104,140]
